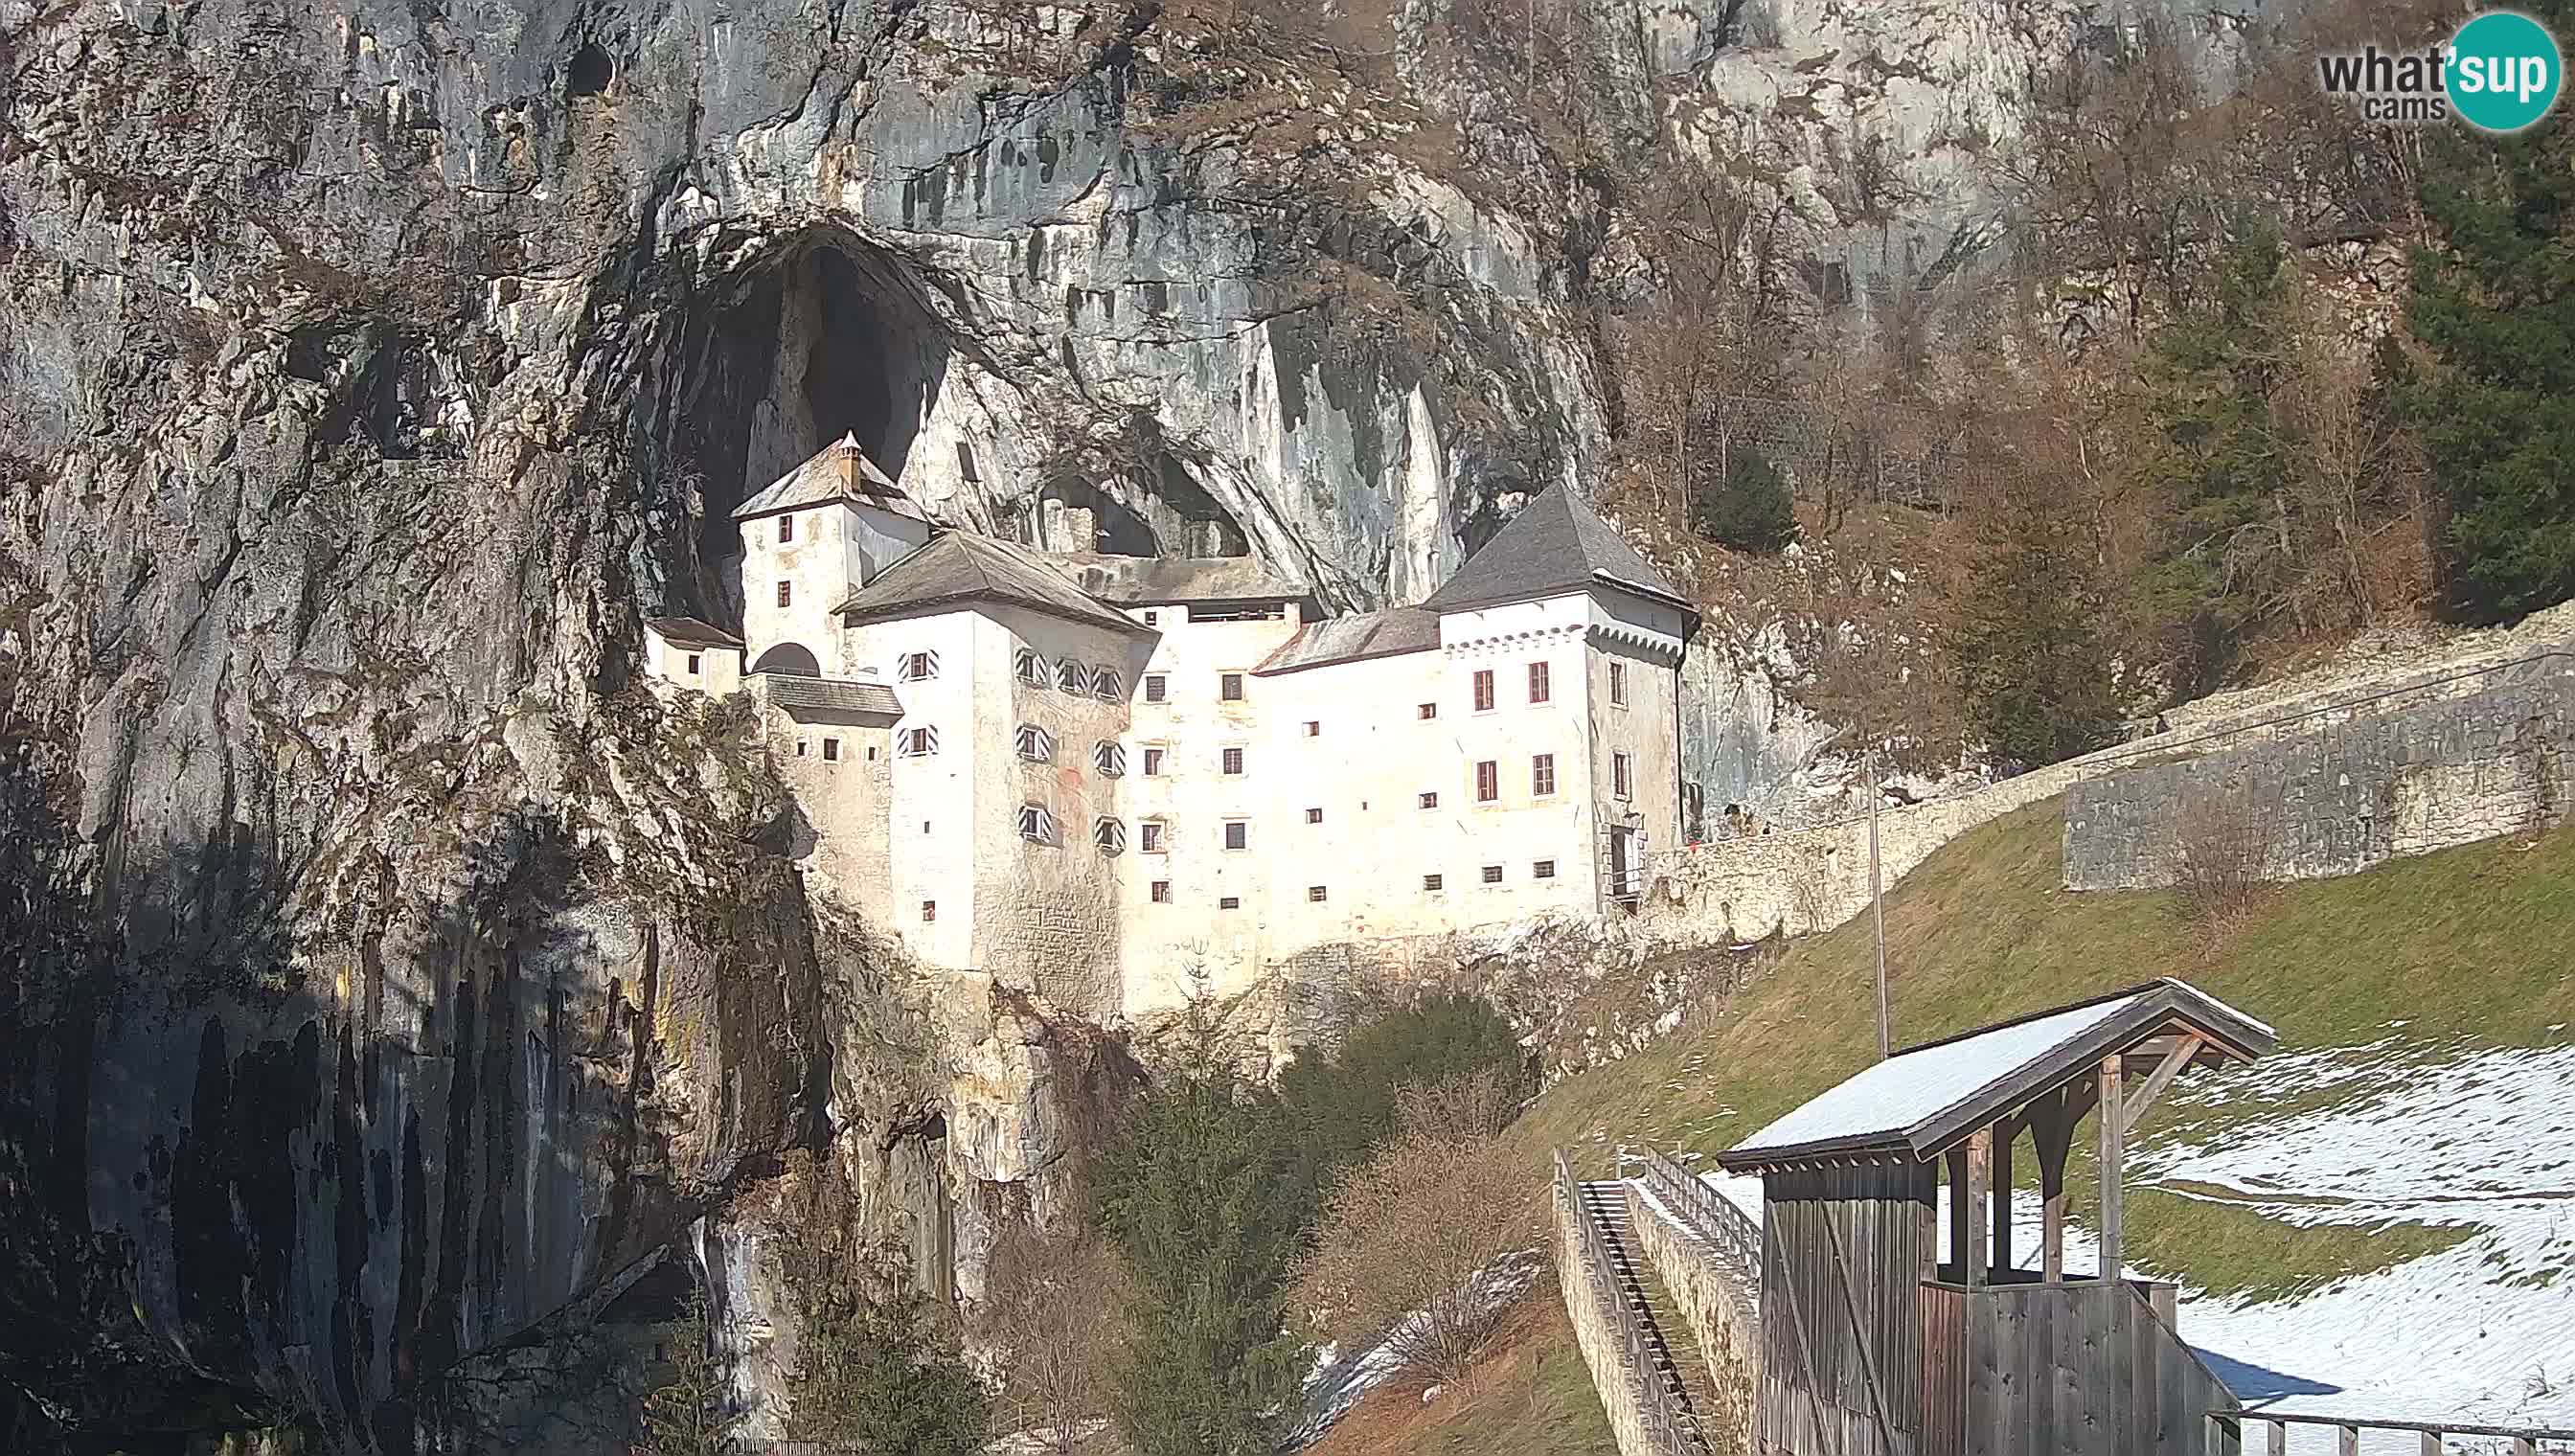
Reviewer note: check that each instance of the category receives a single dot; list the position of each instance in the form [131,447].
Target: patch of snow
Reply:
[1339,1381]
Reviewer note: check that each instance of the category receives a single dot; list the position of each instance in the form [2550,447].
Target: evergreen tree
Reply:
[1740,499]
[2033,661]
[2495,303]
[2218,465]
[880,1376]
[1198,1192]
[688,1412]
[1343,1103]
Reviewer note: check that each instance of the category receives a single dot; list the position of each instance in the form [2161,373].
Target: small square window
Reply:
[1237,835]
[1157,686]
[1152,762]
[1492,875]
[1313,816]
[872,753]
[1149,837]
[1162,892]
[800,748]
[831,750]
[1484,692]
[929,912]
[1538,682]
[1430,883]
[1230,686]
[1229,903]
[1543,870]
[786,528]
[1313,728]
[693,665]
[1617,685]
[785,593]
[1488,782]
[1428,709]
[1429,801]
[1152,617]
[1234,760]
[1314,895]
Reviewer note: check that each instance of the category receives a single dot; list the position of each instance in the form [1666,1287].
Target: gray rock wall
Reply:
[2355,794]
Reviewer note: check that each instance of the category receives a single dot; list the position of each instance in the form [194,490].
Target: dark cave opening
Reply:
[589,72]
[824,336]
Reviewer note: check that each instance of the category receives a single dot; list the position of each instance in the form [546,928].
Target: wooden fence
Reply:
[2228,1428]
[1669,1423]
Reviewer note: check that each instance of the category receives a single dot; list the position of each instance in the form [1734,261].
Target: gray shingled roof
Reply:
[689,632]
[955,569]
[1155,581]
[852,696]
[839,471]
[1555,546]
[1349,639]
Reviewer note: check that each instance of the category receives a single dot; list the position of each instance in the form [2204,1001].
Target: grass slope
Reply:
[1530,1392]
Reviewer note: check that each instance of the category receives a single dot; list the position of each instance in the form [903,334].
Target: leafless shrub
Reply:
[2223,851]
[1411,1239]
[1052,1322]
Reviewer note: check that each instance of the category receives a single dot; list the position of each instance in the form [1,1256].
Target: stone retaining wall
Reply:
[1595,1333]
[1721,1316]
[2357,793]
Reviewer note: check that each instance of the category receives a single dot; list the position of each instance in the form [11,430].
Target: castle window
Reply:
[1157,686]
[1108,759]
[800,748]
[1543,870]
[1492,875]
[1430,883]
[786,528]
[1430,709]
[1162,892]
[1036,744]
[785,593]
[1314,895]
[1149,837]
[1153,762]
[1313,816]
[1072,676]
[1229,903]
[1109,834]
[1230,686]
[1313,728]
[831,750]
[1110,684]
[1030,668]
[1617,685]
[1234,760]
[1237,835]
[1484,692]
[917,743]
[1430,801]
[918,667]
[1621,782]
[1541,774]
[929,912]
[1488,782]
[1036,824]
[1153,619]
[1538,682]
[693,665]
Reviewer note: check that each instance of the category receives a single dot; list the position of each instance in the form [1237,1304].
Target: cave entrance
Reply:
[818,336]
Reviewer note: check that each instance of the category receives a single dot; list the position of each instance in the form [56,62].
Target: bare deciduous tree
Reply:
[1052,1323]
[1410,1237]
[2224,853]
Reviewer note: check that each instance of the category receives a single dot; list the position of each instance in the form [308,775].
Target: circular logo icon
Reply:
[2502,71]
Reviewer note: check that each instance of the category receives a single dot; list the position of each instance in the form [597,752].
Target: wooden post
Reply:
[2005,1132]
[2431,1443]
[2113,1159]
[1980,1160]
[1958,1224]
[1927,1220]
[2347,1440]
[2052,1136]
[2277,1443]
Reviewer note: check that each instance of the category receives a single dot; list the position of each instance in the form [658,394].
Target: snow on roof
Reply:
[1915,1095]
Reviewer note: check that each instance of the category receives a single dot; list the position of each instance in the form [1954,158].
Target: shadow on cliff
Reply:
[382,1182]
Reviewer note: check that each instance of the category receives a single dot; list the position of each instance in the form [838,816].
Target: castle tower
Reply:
[815,536]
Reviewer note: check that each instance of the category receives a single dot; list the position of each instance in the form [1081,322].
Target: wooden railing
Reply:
[1711,1212]
[1668,1421]
[2226,1432]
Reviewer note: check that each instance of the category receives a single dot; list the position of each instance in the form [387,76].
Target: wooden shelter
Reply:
[1885,1334]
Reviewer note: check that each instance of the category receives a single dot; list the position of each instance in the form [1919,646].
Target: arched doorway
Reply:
[789,659]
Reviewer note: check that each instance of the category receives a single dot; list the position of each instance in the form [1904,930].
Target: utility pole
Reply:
[1876,904]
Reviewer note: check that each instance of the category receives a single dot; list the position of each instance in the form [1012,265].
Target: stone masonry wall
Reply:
[1721,1316]
[2361,792]
[1595,1333]
[1804,880]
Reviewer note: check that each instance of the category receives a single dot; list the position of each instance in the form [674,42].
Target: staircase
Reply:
[1677,1376]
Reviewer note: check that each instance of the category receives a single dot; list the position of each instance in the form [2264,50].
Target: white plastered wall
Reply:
[838,548]
[719,667]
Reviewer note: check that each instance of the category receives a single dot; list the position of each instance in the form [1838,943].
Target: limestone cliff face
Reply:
[392,991]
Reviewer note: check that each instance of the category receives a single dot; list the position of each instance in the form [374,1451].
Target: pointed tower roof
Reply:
[1553,547]
[839,471]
